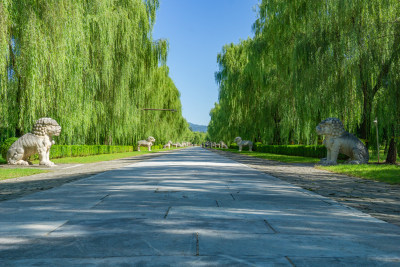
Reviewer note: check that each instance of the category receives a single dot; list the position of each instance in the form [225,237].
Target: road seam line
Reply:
[197,245]
[166,214]
[270,226]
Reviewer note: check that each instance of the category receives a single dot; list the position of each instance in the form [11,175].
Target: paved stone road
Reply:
[378,199]
[189,208]
[61,174]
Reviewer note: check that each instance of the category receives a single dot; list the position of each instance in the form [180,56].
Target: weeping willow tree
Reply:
[310,60]
[91,65]
[5,21]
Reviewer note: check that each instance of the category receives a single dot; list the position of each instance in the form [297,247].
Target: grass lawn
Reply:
[102,157]
[13,173]
[277,157]
[19,172]
[373,157]
[378,172]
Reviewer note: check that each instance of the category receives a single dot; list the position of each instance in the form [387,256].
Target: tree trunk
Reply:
[277,129]
[365,126]
[392,153]
[386,147]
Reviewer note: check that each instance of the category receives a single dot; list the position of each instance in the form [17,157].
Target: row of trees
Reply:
[90,65]
[310,60]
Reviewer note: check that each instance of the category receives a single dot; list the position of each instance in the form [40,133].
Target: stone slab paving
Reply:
[189,208]
[378,199]
[61,174]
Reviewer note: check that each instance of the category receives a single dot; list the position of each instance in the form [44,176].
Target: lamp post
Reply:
[377,136]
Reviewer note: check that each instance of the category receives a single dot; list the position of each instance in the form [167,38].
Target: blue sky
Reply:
[196,31]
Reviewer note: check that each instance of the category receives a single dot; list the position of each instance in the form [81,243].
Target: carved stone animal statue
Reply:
[223,145]
[168,145]
[238,140]
[175,144]
[37,142]
[338,140]
[146,143]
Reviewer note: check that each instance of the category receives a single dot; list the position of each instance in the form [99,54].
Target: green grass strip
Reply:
[14,173]
[102,157]
[379,172]
[19,172]
[98,158]
[276,157]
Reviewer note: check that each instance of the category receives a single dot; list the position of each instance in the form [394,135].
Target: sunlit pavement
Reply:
[189,208]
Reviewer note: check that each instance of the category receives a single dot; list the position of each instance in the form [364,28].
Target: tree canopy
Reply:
[310,60]
[90,65]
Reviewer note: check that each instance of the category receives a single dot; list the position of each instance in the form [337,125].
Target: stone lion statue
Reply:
[168,145]
[37,142]
[222,144]
[176,144]
[146,143]
[338,140]
[238,140]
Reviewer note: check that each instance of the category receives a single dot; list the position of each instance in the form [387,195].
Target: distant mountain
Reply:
[198,128]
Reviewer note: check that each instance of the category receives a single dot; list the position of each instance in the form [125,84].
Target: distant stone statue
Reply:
[177,145]
[206,144]
[238,140]
[146,143]
[338,140]
[223,145]
[168,145]
[37,142]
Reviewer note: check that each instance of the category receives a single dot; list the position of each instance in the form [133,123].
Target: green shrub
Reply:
[157,147]
[6,145]
[63,151]
[234,146]
[312,151]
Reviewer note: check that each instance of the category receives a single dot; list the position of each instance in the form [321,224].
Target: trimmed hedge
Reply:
[63,151]
[313,151]
[157,147]
[6,145]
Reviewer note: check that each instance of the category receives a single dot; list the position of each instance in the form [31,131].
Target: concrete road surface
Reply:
[189,208]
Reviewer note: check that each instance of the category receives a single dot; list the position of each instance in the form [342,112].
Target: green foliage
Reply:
[198,137]
[6,145]
[278,157]
[378,172]
[310,60]
[63,151]
[13,173]
[313,151]
[90,65]
[97,158]
[294,150]
[156,147]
